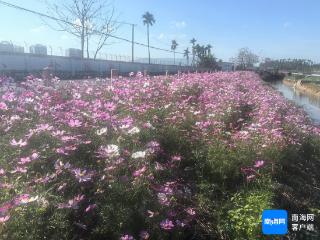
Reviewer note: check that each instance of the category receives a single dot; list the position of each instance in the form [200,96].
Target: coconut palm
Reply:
[186,54]
[174,46]
[148,20]
[193,42]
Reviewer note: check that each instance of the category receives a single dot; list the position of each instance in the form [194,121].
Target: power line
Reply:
[74,25]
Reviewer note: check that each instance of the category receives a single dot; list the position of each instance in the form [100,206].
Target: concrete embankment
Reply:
[310,89]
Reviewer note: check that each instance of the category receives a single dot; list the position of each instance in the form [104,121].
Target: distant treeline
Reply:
[290,65]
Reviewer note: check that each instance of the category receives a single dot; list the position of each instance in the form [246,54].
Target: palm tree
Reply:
[174,46]
[186,54]
[209,49]
[148,20]
[193,42]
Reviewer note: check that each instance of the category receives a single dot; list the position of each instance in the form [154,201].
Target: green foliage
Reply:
[246,212]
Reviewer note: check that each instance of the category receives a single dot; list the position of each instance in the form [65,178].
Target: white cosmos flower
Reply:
[133,131]
[112,150]
[102,131]
[139,154]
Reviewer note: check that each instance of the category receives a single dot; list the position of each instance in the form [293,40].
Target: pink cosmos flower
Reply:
[153,146]
[6,207]
[158,166]
[180,223]
[19,170]
[150,213]
[91,207]
[191,211]
[82,176]
[163,199]
[74,123]
[61,187]
[167,225]
[4,219]
[62,151]
[22,199]
[139,172]
[176,158]
[2,172]
[72,203]
[144,235]
[110,106]
[6,185]
[259,164]
[250,177]
[24,160]
[126,237]
[35,156]
[3,106]
[20,143]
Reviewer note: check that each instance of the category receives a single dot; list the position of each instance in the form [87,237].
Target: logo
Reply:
[274,222]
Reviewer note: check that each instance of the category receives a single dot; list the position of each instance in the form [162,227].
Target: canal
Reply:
[309,103]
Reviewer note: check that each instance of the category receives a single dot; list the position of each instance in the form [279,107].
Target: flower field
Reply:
[195,156]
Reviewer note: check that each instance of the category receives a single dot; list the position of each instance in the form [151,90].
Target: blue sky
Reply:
[271,28]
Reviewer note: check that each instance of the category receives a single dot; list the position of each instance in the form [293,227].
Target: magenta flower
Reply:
[82,176]
[2,172]
[167,225]
[259,164]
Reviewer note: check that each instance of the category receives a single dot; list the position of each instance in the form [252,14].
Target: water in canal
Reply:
[310,104]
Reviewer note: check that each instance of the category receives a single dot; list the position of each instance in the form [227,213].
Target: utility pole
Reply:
[132,42]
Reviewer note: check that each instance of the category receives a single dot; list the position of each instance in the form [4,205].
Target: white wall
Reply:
[29,63]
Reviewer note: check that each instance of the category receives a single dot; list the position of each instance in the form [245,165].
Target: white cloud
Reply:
[38,29]
[161,36]
[178,24]
[169,37]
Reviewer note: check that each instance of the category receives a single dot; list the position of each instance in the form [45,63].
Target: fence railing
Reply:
[24,47]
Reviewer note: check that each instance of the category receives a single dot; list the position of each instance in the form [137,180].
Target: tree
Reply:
[186,54]
[174,46]
[148,20]
[204,57]
[245,59]
[208,48]
[193,42]
[84,19]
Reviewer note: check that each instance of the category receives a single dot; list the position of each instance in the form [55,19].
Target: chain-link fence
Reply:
[49,50]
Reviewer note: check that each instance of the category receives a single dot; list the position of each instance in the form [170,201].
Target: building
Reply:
[18,49]
[38,49]
[6,47]
[226,66]
[73,52]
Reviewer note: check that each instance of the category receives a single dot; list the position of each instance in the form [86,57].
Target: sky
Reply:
[270,28]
